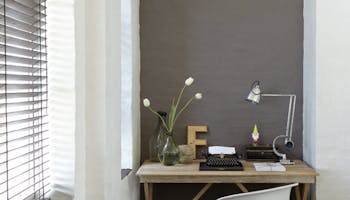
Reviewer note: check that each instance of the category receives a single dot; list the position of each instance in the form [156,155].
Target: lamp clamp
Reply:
[289,144]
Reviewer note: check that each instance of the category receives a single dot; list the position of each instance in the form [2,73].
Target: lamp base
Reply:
[287,162]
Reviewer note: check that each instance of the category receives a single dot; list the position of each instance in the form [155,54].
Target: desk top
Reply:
[152,172]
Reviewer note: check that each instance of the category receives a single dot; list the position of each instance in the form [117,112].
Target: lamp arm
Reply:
[277,95]
[294,99]
[291,112]
[289,119]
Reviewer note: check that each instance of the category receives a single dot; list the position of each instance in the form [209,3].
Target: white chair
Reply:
[278,193]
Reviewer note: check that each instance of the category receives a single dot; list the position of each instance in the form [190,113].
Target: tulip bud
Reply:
[198,96]
[189,81]
[146,102]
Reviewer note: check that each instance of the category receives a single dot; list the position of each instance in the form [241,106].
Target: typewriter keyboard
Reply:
[213,161]
[221,164]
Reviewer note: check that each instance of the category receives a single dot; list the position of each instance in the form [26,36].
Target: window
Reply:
[24,172]
[61,87]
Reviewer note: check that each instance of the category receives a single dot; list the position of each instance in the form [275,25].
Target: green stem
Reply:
[173,109]
[164,124]
[183,108]
[171,113]
[179,97]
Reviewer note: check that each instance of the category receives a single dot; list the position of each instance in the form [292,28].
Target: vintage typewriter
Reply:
[221,162]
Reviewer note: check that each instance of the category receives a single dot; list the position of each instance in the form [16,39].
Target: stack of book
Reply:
[267,167]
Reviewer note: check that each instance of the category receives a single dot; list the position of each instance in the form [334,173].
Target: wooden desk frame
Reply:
[151,173]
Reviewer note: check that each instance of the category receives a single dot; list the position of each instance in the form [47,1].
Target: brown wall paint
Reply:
[224,45]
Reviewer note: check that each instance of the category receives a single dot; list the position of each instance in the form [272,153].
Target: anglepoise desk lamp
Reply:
[254,97]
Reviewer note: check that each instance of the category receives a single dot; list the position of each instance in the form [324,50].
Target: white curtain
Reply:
[85,84]
[61,59]
[98,95]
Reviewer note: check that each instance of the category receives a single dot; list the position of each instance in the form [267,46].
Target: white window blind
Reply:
[24,155]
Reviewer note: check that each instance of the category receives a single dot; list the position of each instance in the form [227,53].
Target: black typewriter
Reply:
[221,163]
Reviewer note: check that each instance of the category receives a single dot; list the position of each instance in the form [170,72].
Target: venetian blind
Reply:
[24,172]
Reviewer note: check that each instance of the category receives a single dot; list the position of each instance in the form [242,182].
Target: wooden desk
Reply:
[150,173]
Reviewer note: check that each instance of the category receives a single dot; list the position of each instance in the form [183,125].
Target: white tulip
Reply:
[189,81]
[198,96]
[146,102]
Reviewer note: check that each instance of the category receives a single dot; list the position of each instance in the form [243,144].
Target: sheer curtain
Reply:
[98,96]
[61,51]
[126,84]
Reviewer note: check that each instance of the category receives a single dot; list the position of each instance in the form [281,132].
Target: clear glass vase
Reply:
[157,140]
[170,153]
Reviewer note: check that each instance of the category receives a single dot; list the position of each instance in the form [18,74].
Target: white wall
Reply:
[309,107]
[309,141]
[333,108]
[330,132]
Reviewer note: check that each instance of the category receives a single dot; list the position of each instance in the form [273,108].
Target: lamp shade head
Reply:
[254,93]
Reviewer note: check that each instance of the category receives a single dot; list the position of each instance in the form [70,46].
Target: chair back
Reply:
[278,193]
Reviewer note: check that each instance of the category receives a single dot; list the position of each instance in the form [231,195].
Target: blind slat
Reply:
[9,22]
[21,60]
[24,103]
[22,43]
[20,69]
[32,119]
[35,11]
[21,34]
[22,112]
[14,77]
[22,86]
[24,129]
[33,3]
[22,95]
[34,20]
[20,51]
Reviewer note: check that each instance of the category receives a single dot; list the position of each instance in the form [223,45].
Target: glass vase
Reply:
[157,140]
[170,153]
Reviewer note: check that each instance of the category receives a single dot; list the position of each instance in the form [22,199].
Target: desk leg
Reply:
[306,190]
[297,192]
[203,190]
[148,187]
[242,187]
